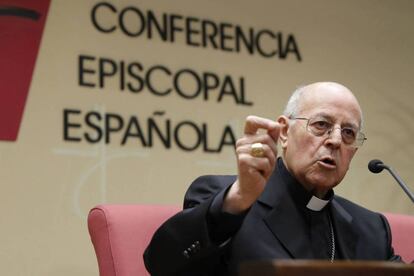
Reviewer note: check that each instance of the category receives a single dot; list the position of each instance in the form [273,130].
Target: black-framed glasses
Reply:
[321,127]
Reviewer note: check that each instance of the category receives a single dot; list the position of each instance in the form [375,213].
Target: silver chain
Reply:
[332,239]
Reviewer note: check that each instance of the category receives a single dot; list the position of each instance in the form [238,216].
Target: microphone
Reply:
[377,166]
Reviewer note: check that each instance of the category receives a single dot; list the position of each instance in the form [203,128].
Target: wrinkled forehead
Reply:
[332,101]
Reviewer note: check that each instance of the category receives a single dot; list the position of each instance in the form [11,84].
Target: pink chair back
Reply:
[402,228]
[120,234]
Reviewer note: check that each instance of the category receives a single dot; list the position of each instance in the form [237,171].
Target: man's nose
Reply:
[335,136]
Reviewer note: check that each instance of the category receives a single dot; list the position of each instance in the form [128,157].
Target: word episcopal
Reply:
[160,81]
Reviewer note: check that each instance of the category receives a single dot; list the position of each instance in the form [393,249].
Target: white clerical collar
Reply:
[316,204]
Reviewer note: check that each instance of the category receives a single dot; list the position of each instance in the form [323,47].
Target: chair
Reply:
[402,229]
[120,234]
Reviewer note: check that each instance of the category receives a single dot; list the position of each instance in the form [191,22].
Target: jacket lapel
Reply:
[285,220]
[291,230]
[345,234]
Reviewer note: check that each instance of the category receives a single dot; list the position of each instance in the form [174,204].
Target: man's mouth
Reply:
[327,162]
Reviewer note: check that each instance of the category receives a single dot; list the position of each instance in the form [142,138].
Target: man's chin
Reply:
[323,185]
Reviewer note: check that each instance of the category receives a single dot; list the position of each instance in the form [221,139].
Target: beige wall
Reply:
[49,184]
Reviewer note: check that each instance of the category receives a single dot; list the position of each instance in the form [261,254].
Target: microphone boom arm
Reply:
[399,180]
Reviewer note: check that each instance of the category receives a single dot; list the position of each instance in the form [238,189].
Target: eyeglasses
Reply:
[320,127]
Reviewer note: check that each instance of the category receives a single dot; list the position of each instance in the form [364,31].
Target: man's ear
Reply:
[284,128]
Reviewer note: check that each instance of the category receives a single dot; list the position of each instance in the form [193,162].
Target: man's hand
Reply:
[253,172]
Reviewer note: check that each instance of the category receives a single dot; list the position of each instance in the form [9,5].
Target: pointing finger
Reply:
[253,123]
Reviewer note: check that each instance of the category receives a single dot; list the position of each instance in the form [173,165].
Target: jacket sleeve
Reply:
[193,241]
[391,255]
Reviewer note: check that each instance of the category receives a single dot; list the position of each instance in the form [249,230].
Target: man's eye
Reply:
[321,125]
[349,132]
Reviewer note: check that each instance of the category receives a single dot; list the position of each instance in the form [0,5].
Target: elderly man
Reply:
[278,208]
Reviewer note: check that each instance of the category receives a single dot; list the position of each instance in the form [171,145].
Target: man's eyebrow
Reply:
[324,116]
[332,119]
[354,126]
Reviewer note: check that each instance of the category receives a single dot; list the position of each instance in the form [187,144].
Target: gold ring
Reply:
[257,150]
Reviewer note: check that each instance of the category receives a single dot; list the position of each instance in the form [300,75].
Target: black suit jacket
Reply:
[201,240]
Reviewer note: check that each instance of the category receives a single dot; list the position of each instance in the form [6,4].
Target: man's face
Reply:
[320,163]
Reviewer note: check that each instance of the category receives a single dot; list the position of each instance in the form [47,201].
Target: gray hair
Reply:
[292,106]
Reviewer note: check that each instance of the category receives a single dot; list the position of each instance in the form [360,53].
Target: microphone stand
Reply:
[399,180]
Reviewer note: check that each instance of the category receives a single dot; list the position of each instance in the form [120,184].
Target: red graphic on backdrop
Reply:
[21,27]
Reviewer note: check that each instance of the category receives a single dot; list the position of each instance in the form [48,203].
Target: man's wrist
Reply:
[234,202]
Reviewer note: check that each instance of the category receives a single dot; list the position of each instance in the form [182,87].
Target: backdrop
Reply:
[128,101]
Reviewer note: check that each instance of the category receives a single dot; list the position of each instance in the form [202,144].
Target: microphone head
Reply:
[375,166]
